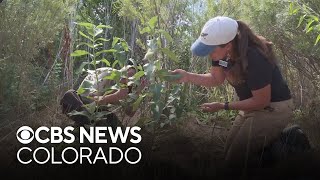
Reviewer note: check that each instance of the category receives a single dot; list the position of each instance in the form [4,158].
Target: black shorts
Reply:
[71,101]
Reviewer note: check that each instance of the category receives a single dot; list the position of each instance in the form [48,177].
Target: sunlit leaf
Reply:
[84,43]
[115,41]
[87,25]
[86,36]
[145,30]
[79,53]
[104,26]
[106,62]
[91,31]
[81,90]
[114,75]
[125,46]
[138,75]
[115,63]
[153,22]
[310,29]
[102,39]
[315,18]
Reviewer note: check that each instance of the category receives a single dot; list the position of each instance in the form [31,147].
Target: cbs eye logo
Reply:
[25,134]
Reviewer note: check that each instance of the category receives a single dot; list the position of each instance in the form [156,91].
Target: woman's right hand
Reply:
[183,74]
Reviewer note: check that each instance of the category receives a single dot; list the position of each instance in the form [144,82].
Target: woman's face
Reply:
[220,53]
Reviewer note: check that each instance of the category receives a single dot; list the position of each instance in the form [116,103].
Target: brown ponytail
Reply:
[241,43]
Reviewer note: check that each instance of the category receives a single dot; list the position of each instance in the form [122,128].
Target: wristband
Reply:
[226,106]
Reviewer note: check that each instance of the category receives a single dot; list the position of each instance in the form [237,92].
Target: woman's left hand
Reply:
[212,107]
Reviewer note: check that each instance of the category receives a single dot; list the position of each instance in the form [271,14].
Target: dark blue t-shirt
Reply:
[260,73]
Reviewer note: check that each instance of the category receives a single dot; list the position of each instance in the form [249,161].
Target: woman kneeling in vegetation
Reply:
[92,90]
[248,63]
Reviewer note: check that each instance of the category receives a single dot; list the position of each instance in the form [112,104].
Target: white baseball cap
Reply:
[217,31]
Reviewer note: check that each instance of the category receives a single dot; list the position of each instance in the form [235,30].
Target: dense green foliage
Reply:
[30,33]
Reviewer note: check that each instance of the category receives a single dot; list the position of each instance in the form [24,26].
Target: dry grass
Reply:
[48,116]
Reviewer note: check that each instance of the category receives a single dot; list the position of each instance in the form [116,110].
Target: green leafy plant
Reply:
[307,16]
[91,58]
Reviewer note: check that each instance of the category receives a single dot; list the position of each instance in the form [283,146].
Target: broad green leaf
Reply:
[91,31]
[115,41]
[115,63]
[87,25]
[79,53]
[170,54]
[125,46]
[102,39]
[86,36]
[318,39]
[114,75]
[84,43]
[145,30]
[315,18]
[106,62]
[138,75]
[104,26]
[153,22]
[81,90]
